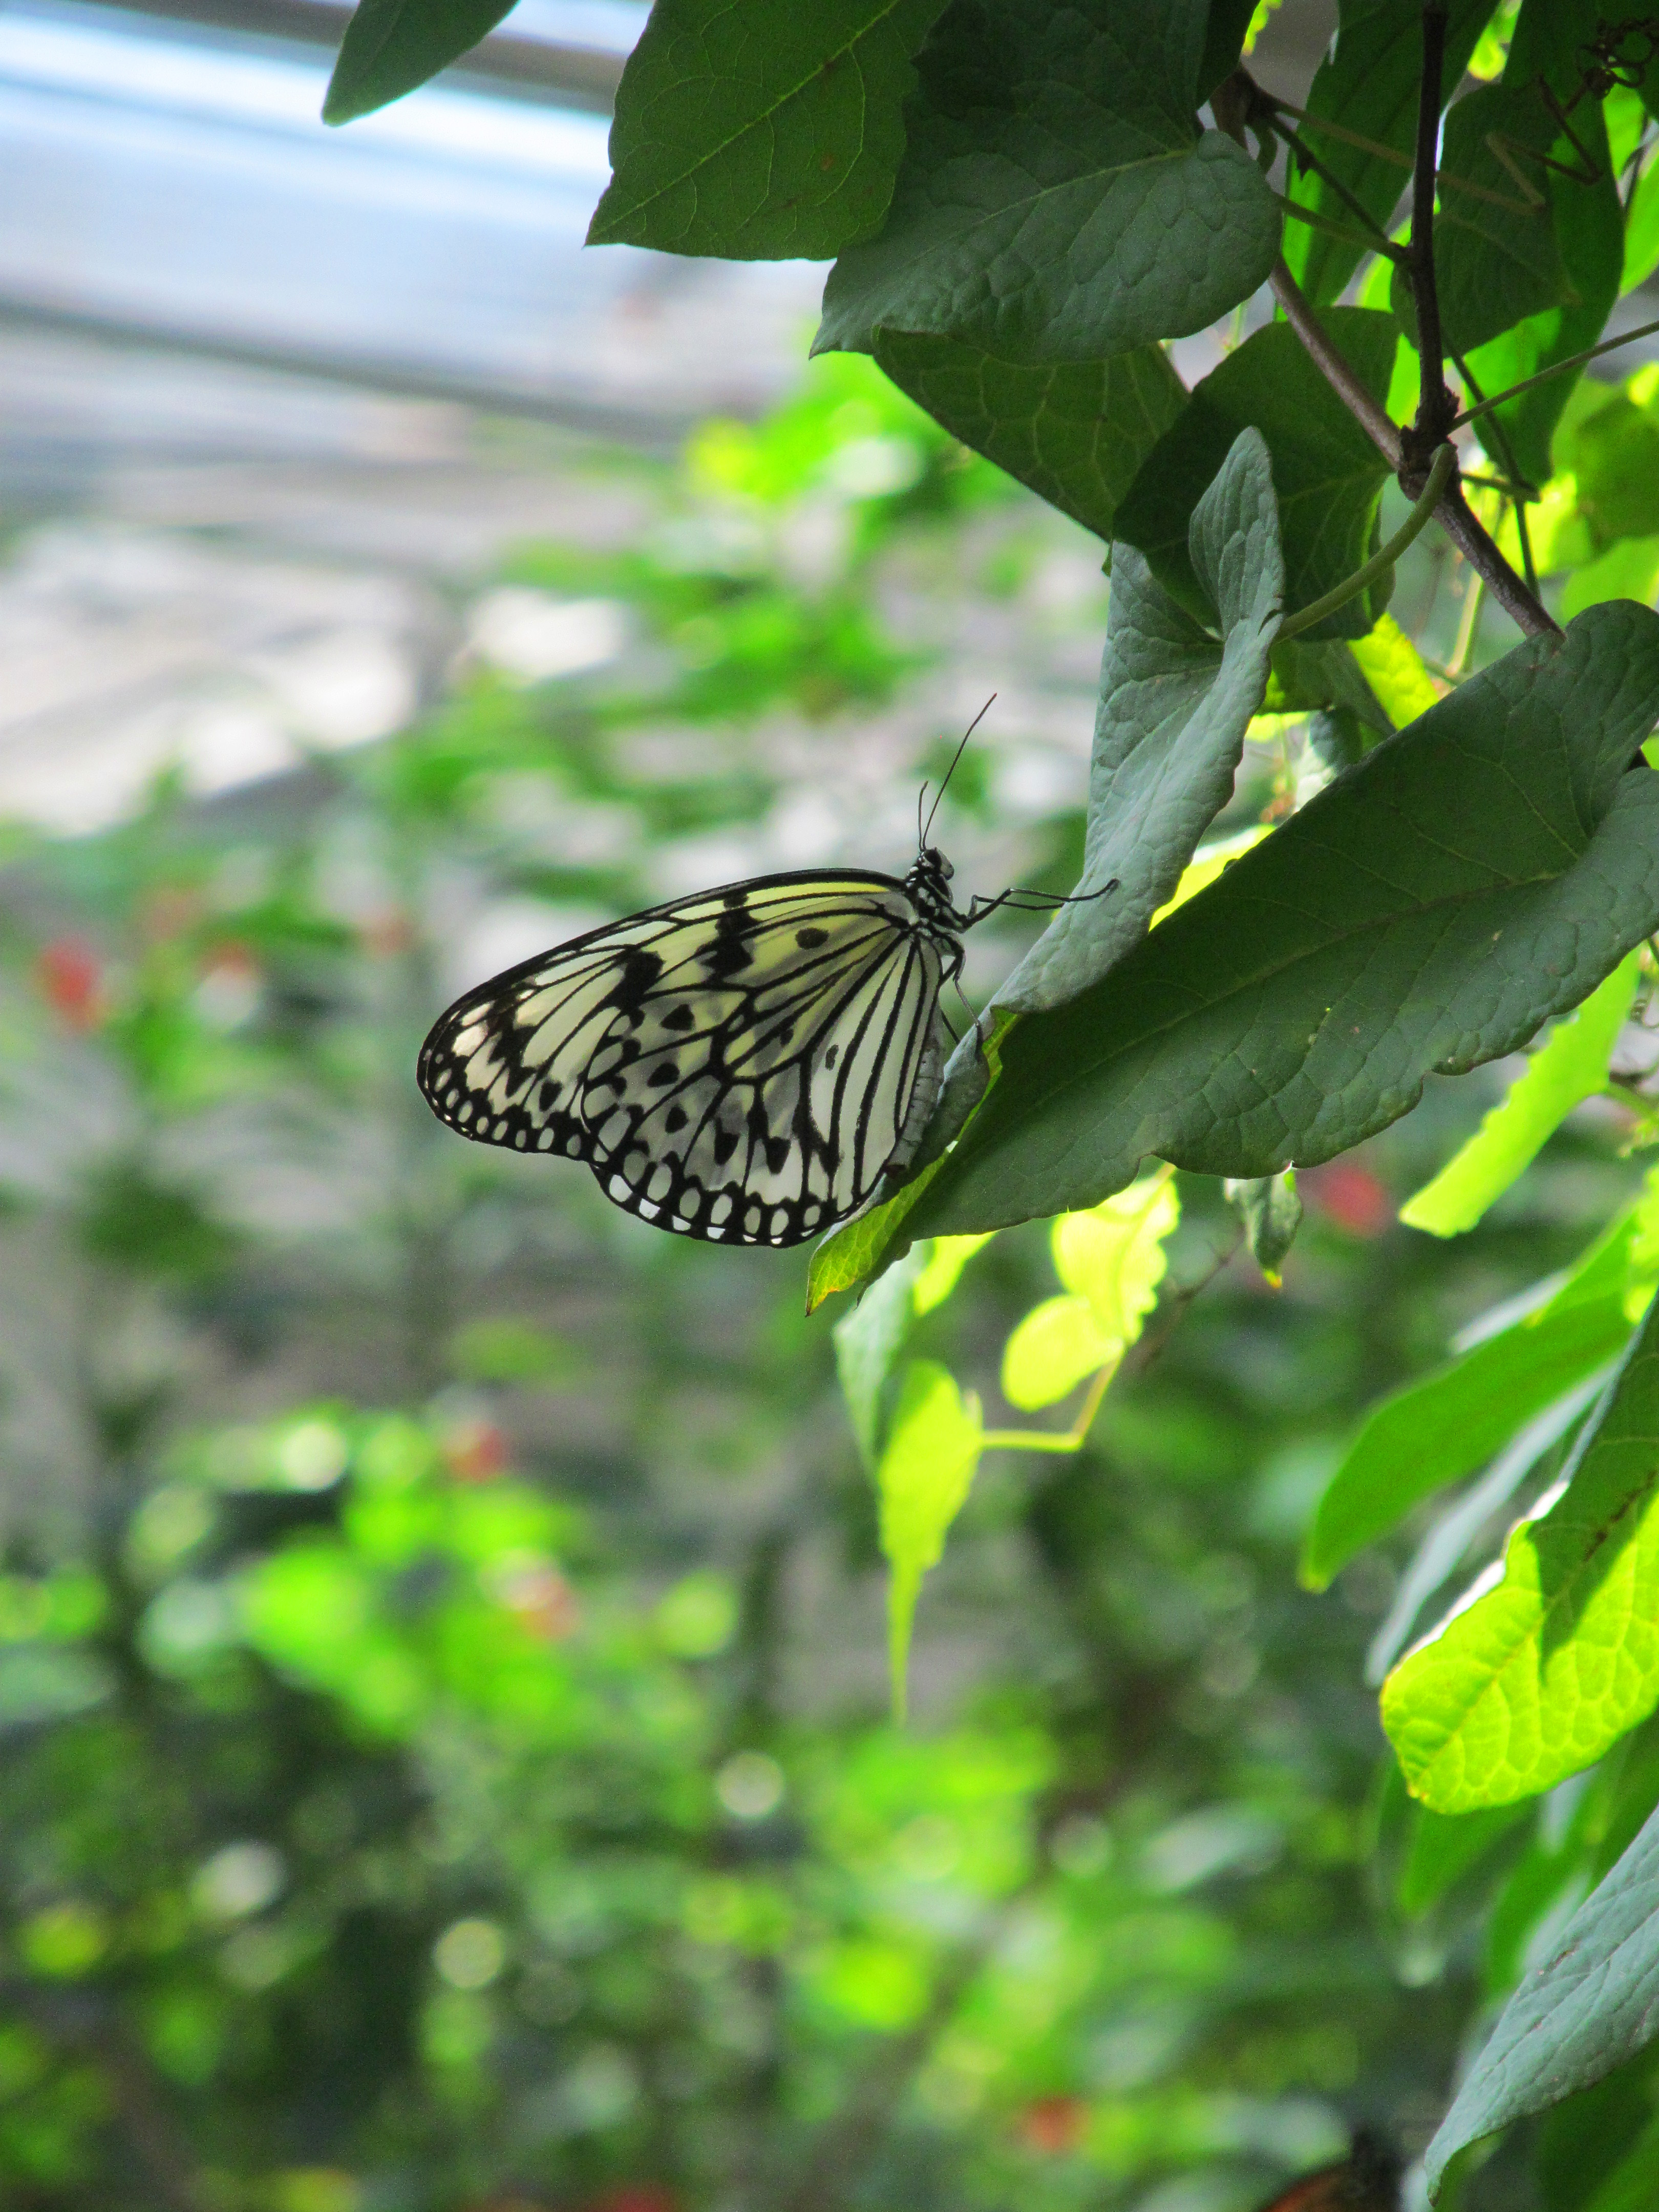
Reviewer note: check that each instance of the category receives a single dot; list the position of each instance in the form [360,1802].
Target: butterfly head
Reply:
[929,885]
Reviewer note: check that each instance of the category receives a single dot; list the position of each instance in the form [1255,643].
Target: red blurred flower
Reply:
[1053,2124]
[70,977]
[636,2196]
[475,1451]
[1348,1195]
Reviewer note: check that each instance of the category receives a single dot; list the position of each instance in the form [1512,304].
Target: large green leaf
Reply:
[391,46]
[1327,474]
[1075,432]
[1591,2004]
[1497,258]
[1470,878]
[1058,200]
[1588,225]
[1175,704]
[1230,20]
[1369,86]
[760,133]
[1542,1673]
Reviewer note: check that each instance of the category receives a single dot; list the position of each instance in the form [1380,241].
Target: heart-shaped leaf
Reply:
[1470,878]
[758,132]
[1058,200]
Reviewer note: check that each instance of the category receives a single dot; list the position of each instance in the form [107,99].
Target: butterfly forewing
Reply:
[738,1066]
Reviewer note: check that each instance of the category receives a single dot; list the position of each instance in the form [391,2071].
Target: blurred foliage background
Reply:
[448,1760]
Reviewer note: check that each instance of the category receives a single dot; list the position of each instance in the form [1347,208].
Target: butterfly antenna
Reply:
[922,834]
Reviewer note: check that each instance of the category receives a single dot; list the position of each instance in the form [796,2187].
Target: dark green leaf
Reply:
[1369,85]
[1271,1212]
[1075,432]
[391,46]
[1611,445]
[1175,704]
[1496,255]
[1057,200]
[759,133]
[1327,474]
[1592,2003]
[1169,729]
[1588,227]
[1428,911]
[1224,42]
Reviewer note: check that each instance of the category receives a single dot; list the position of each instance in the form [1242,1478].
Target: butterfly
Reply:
[743,1066]
[1367,2180]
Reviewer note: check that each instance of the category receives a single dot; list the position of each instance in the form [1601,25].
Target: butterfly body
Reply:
[742,1065]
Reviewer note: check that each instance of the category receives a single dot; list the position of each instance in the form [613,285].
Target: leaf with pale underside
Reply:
[1592,2003]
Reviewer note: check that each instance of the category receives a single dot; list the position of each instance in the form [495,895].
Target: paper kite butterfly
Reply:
[742,1065]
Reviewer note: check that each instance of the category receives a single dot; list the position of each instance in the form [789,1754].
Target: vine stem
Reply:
[1233,103]
[1453,514]
[1372,417]
[1436,407]
[1557,368]
[1441,474]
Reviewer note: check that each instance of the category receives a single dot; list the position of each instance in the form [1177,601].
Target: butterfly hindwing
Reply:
[738,1066]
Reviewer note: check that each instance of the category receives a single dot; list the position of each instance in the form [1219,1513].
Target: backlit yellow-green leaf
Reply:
[946,1258]
[1053,1349]
[1546,1669]
[1113,1254]
[1567,1069]
[1205,865]
[926,1472]
[1393,668]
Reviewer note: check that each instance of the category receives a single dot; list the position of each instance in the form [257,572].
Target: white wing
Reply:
[738,1067]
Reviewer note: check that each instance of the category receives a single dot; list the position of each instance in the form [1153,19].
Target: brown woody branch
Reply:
[1436,407]
[1239,101]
